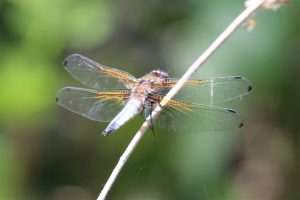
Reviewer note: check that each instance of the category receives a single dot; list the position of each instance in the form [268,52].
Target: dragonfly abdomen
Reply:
[132,108]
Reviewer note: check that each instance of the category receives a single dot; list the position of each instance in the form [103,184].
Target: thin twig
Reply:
[192,69]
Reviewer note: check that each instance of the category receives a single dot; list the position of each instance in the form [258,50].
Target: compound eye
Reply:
[164,75]
[154,73]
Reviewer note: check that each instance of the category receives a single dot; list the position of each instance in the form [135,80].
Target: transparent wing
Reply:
[183,117]
[210,91]
[93,104]
[97,76]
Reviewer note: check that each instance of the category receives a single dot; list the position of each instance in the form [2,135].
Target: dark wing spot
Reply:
[65,62]
[237,77]
[105,133]
[56,99]
[241,124]
[230,110]
[249,88]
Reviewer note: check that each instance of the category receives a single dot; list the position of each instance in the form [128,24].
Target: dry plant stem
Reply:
[193,68]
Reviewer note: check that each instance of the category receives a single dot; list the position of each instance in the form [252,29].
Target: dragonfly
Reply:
[116,96]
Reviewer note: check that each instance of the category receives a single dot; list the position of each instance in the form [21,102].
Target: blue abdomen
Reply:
[132,108]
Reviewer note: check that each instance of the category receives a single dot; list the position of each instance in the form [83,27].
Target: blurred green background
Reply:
[47,152]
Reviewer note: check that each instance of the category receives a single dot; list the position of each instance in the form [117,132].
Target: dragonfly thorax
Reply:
[143,88]
[148,83]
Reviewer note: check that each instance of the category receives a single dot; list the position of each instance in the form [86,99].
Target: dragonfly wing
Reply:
[93,104]
[96,75]
[183,117]
[210,91]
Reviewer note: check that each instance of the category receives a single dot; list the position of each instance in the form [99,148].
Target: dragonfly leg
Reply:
[151,123]
[148,112]
[144,114]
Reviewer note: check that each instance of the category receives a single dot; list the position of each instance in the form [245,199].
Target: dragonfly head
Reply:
[159,73]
